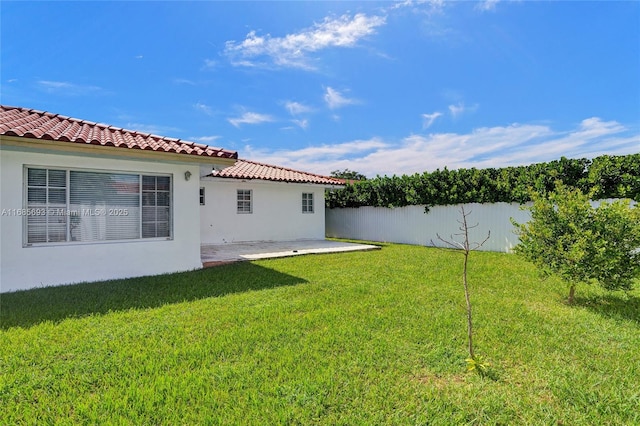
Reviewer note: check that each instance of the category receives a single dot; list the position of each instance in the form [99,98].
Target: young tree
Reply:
[467,247]
[569,237]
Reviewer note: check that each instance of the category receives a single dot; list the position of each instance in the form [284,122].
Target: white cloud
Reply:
[55,84]
[250,118]
[487,5]
[335,99]
[206,139]
[292,50]
[154,129]
[184,81]
[500,146]
[66,88]
[303,124]
[433,6]
[456,110]
[337,150]
[206,109]
[209,64]
[460,108]
[296,108]
[318,159]
[428,119]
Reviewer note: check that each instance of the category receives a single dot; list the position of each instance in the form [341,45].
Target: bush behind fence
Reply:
[603,177]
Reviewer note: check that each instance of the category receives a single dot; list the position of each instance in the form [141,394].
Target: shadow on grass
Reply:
[620,307]
[31,307]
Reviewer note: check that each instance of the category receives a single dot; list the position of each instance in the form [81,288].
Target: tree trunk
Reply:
[572,292]
[466,248]
[468,298]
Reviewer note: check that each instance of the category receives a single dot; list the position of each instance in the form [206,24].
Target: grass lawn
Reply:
[353,338]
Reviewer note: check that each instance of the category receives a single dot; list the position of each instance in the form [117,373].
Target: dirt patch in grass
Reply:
[441,381]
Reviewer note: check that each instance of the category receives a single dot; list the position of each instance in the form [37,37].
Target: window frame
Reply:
[246,200]
[156,207]
[70,212]
[34,210]
[308,203]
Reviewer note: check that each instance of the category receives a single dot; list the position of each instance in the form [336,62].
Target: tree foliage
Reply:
[571,238]
[347,174]
[605,177]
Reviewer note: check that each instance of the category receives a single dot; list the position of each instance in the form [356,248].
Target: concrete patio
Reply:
[213,255]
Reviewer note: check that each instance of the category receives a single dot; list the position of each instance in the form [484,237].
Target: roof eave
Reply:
[21,142]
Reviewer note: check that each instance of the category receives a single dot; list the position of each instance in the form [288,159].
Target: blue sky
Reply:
[375,87]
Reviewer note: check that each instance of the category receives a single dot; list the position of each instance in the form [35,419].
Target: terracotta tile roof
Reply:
[245,169]
[29,123]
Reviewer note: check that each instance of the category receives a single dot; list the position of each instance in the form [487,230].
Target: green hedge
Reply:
[608,176]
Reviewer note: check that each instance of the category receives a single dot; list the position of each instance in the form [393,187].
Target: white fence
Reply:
[410,225]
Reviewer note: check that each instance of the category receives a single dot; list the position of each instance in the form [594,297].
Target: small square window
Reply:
[307,202]
[202,196]
[244,201]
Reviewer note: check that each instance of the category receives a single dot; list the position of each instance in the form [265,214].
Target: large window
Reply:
[244,201]
[307,202]
[85,206]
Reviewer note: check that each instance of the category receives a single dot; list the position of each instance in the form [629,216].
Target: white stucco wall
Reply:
[277,212]
[27,267]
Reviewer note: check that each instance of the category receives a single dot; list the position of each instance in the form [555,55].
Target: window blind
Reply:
[104,206]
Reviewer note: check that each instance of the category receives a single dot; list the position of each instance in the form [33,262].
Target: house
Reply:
[83,201]
[251,201]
